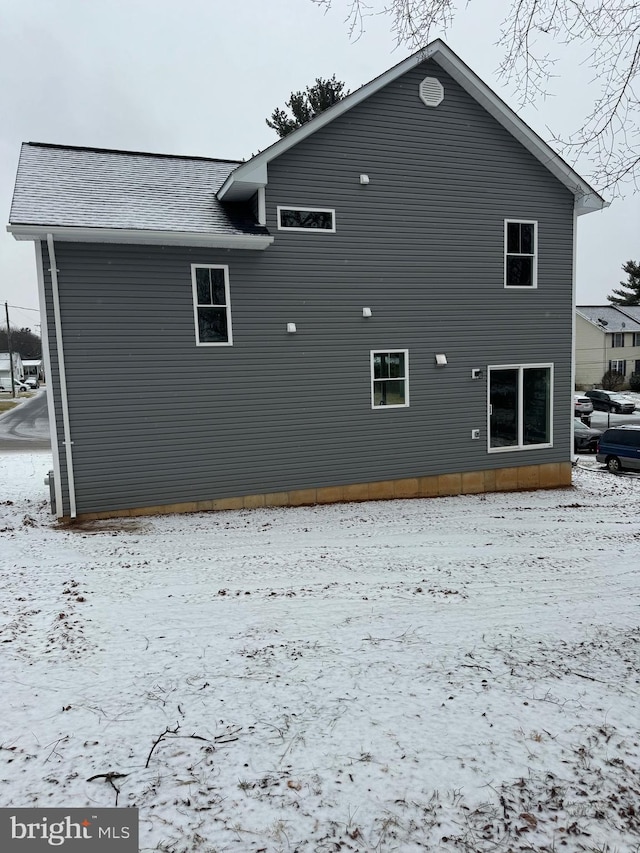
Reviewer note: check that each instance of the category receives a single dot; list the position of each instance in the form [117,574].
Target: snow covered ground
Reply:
[455,674]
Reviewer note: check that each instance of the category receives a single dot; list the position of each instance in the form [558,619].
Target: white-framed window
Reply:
[636,339]
[619,365]
[520,401]
[211,305]
[617,339]
[520,253]
[314,219]
[389,379]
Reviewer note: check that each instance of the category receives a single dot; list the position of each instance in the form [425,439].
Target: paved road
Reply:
[26,427]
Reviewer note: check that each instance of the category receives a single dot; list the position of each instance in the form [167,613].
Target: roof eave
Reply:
[140,236]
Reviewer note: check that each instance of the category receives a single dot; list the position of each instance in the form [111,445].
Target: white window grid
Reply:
[226,306]
[534,254]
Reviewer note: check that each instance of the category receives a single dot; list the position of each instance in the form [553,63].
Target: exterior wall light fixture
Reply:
[441,359]
[366,312]
[364,179]
[291,328]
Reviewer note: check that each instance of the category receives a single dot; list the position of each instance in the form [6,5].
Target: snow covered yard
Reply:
[456,674]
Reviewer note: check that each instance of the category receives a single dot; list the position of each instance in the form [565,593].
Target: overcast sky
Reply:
[199,77]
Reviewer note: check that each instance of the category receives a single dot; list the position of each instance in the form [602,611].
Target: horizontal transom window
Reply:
[306,219]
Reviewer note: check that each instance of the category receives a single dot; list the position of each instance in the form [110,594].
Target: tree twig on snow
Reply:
[167,731]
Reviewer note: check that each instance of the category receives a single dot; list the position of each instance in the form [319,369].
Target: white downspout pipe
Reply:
[66,427]
[53,429]
[574,296]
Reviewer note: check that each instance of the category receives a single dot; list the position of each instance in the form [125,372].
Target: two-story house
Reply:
[378,305]
[607,338]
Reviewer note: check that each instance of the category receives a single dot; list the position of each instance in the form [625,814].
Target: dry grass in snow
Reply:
[455,674]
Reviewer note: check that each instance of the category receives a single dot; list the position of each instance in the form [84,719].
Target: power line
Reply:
[21,308]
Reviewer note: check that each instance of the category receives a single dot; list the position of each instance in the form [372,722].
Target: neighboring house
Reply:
[5,368]
[380,304]
[607,338]
[33,367]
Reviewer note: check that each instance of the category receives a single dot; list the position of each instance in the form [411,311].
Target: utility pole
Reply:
[13,387]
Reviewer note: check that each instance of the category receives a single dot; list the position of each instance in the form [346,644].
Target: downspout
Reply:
[574,295]
[66,428]
[44,325]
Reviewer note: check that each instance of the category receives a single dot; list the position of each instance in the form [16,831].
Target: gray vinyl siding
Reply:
[155,419]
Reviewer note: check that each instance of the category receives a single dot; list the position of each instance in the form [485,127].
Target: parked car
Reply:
[17,384]
[609,401]
[619,447]
[32,382]
[581,405]
[585,439]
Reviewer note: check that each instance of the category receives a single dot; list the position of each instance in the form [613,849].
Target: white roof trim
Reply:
[241,183]
[141,237]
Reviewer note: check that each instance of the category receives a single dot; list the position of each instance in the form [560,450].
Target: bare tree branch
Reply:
[532,36]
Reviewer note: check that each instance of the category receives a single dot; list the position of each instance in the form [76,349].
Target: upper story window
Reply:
[617,339]
[211,304]
[389,379]
[306,219]
[636,339]
[520,254]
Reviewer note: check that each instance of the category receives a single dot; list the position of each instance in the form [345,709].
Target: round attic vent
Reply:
[431,91]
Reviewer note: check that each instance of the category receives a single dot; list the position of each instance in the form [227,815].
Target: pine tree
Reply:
[631,293]
[307,105]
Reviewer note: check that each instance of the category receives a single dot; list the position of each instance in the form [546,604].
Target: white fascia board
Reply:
[67,234]
[239,184]
[252,179]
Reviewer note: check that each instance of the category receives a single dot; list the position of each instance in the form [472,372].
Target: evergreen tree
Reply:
[631,293]
[307,105]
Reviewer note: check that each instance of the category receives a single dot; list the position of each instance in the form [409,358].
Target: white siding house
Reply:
[607,338]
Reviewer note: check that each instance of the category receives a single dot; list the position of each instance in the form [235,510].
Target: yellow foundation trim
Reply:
[552,475]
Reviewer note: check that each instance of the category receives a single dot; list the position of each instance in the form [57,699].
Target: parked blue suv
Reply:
[619,447]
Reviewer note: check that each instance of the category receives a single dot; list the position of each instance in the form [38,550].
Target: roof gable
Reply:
[253,174]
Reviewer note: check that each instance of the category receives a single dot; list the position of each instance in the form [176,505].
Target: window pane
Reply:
[536,402]
[526,239]
[217,287]
[389,393]
[203,287]
[503,396]
[396,364]
[513,237]
[519,272]
[380,366]
[212,325]
[322,219]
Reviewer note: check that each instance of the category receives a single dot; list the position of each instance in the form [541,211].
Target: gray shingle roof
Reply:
[96,188]
[623,319]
